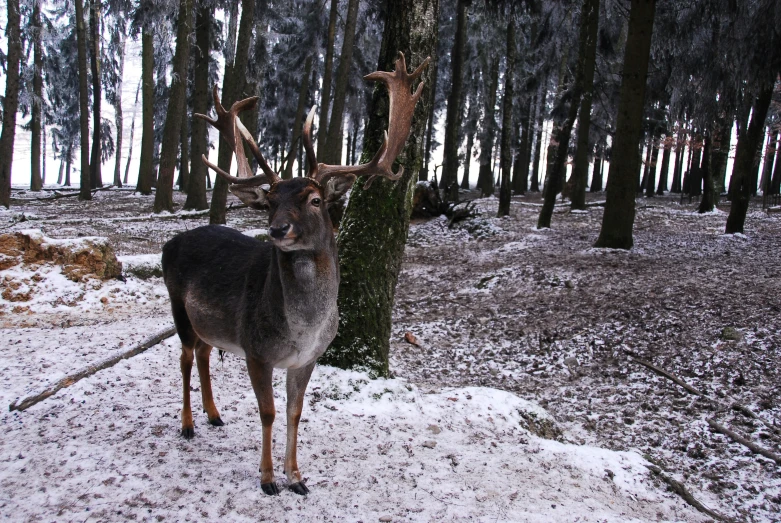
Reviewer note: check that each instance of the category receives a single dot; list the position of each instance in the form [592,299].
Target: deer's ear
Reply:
[337,186]
[255,197]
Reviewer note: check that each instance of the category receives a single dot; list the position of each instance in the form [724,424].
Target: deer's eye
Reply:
[316,202]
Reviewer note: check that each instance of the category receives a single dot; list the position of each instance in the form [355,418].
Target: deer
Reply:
[272,302]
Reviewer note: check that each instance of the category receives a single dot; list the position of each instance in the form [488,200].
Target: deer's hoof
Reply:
[299,488]
[270,488]
[217,422]
[188,433]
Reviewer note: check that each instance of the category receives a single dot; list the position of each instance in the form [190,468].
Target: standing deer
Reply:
[273,303]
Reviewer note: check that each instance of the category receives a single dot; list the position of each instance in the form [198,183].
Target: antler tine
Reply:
[401,109]
[231,128]
[311,157]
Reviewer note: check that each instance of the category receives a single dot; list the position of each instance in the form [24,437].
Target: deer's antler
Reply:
[402,107]
[233,131]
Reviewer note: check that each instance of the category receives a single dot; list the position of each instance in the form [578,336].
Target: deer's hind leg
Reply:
[188,337]
[202,353]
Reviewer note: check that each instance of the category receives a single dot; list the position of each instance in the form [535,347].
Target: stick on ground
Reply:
[70,379]
[737,438]
[687,496]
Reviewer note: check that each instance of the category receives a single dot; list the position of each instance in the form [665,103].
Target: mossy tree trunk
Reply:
[619,216]
[454,107]
[176,108]
[233,84]
[740,185]
[146,169]
[81,44]
[199,139]
[586,40]
[505,191]
[376,222]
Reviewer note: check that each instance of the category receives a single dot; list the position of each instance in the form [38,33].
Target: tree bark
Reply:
[430,125]
[376,222]
[81,41]
[233,83]
[485,178]
[36,182]
[650,184]
[770,155]
[118,112]
[708,201]
[470,143]
[333,143]
[744,162]
[646,163]
[146,169]
[580,169]
[535,184]
[775,183]
[505,191]
[68,162]
[184,155]
[523,157]
[449,180]
[619,216]
[586,40]
[95,176]
[303,90]
[132,133]
[675,186]
[176,107]
[196,191]
[596,174]
[325,96]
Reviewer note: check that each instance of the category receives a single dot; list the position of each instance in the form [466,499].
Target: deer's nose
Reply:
[280,231]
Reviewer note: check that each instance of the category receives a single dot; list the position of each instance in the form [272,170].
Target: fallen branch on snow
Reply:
[70,379]
[687,496]
[737,438]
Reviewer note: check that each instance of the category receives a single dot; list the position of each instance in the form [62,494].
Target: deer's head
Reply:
[298,208]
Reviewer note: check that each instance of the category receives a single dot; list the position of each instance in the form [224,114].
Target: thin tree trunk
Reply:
[470,143]
[303,90]
[36,183]
[619,216]
[96,178]
[650,184]
[81,41]
[721,158]
[118,110]
[770,155]
[744,160]
[505,191]
[485,180]
[775,184]
[665,171]
[521,168]
[325,96]
[646,164]
[376,222]
[675,187]
[596,173]
[62,171]
[430,125]
[580,169]
[535,184]
[43,155]
[176,109]
[146,169]
[589,11]
[333,143]
[184,155]
[232,88]
[68,167]
[708,201]
[454,106]
[132,133]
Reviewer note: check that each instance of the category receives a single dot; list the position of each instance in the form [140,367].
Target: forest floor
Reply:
[493,304]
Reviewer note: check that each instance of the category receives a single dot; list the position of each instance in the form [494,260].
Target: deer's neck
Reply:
[309,283]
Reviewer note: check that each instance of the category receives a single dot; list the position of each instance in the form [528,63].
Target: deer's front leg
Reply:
[260,375]
[297,380]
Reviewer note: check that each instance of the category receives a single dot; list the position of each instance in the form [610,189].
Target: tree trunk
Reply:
[770,155]
[430,125]
[62,171]
[775,183]
[485,179]
[333,143]
[744,163]
[675,187]
[176,109]
[646,163]
[81,41]
[232,88]
[580,169]
[118,112]
[721,156]
[695,170]
[95,176]
[325,96]
[36,183]
[665,172]
[708,201]
[596,174]
[521,168]
[586,41]
[132,133]
[505,191]
[535,184]
[619,216]
[146,169]
[68,167]
[470,143]
[376,222]
[449,180]
[303,90]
